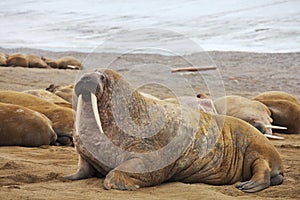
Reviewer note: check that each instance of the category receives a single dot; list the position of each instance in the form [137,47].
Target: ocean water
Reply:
[183,26]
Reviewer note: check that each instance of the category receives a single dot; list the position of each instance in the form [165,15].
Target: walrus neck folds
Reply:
[115,98]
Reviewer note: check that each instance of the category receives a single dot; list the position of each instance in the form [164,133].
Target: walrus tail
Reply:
[276,180]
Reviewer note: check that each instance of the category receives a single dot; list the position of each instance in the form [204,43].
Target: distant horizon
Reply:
[235,25]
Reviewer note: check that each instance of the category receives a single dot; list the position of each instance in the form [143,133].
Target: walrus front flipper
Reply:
[84,171]
[133,174]
[260,179]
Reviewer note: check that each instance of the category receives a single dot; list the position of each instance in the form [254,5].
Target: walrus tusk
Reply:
[275,127]
[193,69]
[78,112]
[273,137]
[95,111]
[71,67]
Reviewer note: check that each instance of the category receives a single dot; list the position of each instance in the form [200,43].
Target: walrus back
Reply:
[24,127]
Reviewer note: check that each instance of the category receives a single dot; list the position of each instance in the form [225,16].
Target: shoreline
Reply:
[241,73]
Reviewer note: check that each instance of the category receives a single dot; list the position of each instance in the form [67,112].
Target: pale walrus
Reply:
[24,60]
[251,111]
[49,96]
[285,110]
[24,127]
[62,118]
[114,138]
[67,62]
[201,104]
[65,92]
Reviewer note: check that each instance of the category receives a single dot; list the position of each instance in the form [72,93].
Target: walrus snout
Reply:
[89,83]
[258,125]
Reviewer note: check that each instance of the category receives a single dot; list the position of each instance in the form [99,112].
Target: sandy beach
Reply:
[36,173]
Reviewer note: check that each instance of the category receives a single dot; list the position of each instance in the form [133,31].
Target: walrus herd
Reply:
[33,61]
[114,126]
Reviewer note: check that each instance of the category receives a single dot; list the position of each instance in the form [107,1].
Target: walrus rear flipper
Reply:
[261,178]
[277,180]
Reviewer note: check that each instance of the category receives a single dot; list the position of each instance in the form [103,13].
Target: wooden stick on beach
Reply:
[193,69]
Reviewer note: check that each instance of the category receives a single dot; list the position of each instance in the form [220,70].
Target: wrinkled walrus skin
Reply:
[235,152]
[285,110]
[24,127]
[62,118]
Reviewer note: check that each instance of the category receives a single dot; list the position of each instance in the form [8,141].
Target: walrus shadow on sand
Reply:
[217,149]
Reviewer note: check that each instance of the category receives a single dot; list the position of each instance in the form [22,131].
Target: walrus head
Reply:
[89,84]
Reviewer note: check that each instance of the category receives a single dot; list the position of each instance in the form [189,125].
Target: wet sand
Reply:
[36,173]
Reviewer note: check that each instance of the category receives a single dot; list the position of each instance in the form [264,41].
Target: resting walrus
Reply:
[137,142]
[67,62]
[251,111]
[61,118]
[26,60]
[49,96]
[285,110]
[64,92]
[24,127]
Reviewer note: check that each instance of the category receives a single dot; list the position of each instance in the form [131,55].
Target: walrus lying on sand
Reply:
[26,60]
[24,127]
[138,142]
[285,110]
[62,118]
[49,96]
[65,92]
[67,62]
[251,111]
[201,104]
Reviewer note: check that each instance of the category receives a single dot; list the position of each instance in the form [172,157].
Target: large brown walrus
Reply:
[138,142]
[254,112]
[20,126]
[26,60]
[285,110]
[62,118]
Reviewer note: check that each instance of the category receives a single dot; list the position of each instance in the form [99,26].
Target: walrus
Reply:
[285,110]
[114,138]
[62,118]
[67,62]
[26,60]
[49,96]
[251,111]
[3,59]
[24,127]
[65,92]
